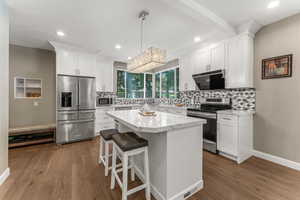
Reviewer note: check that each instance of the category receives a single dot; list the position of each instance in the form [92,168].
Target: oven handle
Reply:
[202,116]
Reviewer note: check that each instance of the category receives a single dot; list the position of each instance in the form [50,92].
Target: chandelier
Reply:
[150,58]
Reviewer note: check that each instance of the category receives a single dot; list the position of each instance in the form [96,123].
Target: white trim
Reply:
[188,6]
[277,160]
[179,196]
[4,175]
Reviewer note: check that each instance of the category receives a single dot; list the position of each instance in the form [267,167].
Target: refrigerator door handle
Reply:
[77,121]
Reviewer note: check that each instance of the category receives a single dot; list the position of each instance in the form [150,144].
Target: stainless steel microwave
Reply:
[104,101]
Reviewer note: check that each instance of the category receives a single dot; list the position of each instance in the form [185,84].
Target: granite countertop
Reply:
[118,105]
[236,112]
[172,106]
[162,122]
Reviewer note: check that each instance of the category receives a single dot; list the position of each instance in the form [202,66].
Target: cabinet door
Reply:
[240,62]
[86,64]
[227,139]
[204,61]
[218,57]
[186,81]
[67,62]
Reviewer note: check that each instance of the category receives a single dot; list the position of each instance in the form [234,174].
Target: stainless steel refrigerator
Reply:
[76,99]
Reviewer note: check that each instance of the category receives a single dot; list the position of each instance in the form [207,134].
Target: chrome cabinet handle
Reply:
[226,119]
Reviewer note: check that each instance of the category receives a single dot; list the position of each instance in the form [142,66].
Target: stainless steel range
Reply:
[76,97]
[208,110]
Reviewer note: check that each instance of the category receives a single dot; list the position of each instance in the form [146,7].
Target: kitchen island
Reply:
[175,151]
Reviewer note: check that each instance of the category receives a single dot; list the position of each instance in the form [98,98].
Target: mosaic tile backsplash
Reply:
[242,99]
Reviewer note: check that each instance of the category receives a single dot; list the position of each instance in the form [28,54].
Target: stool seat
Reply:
[107,134]
[129,141]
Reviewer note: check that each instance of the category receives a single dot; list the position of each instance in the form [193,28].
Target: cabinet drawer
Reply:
[230,120]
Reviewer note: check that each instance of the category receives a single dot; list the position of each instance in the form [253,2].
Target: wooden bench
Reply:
[24,136]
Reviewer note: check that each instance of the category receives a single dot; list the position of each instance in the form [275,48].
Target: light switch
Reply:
[35,103]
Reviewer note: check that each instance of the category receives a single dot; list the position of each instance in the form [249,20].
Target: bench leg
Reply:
[113,170]
[147,175]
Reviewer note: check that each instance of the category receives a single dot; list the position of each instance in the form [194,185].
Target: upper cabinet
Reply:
[104,75]
[186,81]
[217,54]
[239,67]
[235,56]
[201,61]
[74,61]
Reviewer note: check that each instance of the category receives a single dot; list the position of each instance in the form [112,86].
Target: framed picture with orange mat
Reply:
[277,67]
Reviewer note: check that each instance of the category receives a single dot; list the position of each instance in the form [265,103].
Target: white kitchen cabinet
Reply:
[103,121]
[201,61]
[74,61]
[186,81]
[217,61]
[104,75]
[228,134]
[239,67]
[235,135]
[86,64]
[67,62]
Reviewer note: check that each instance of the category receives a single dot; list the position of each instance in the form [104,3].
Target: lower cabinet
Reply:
[235,136]
[103,121]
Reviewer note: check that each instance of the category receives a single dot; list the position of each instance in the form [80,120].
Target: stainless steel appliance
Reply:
[208,111]
[210,80]
[76,98]
[103,101]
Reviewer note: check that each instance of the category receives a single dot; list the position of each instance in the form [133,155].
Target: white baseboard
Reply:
[154,191]
[4,176]
[277,160]
[158,196]
[194,188]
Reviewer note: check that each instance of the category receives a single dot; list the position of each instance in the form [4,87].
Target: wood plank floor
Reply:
[71,172]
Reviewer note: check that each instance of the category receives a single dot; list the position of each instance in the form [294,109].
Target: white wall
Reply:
[276,122]
[4,51]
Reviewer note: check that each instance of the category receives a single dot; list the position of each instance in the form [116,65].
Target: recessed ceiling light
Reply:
[118,46]
[273,4]
[60,33]
[197,39]
[129,58]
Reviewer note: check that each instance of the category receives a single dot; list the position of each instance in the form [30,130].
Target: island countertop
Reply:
[162,122]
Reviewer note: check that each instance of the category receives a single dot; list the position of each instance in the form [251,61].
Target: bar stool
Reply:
[126,146]
[105,142]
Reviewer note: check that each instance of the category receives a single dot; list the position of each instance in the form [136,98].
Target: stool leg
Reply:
[125,176]
[147,176]
[101,150]
[113,170]
[106,158]
[132,169]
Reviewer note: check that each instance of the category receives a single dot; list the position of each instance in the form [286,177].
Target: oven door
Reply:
[210,135]
[209,130]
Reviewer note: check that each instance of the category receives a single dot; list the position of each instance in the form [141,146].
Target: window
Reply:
[134,85]
[157,85]
[149,85]
[121,87]
[167,84]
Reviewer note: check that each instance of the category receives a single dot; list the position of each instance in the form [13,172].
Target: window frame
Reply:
[160,80]
[145,86]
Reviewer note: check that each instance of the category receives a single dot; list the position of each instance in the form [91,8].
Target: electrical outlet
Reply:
[35,103]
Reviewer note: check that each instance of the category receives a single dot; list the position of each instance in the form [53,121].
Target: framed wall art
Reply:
[277,67]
